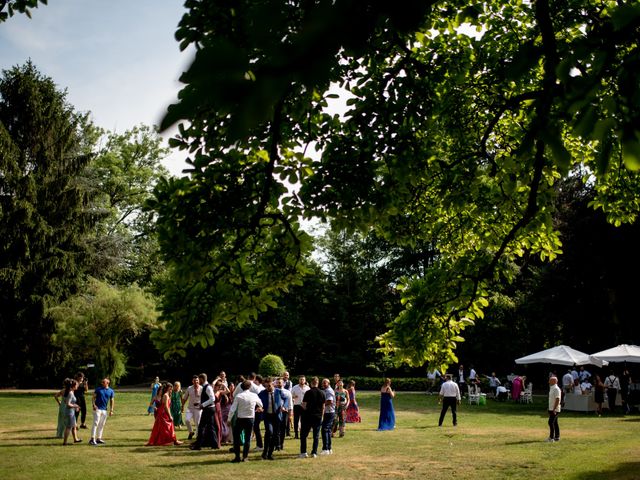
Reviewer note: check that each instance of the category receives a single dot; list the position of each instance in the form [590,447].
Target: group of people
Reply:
[470,382]
[581,382]
[72,406]
[224,413]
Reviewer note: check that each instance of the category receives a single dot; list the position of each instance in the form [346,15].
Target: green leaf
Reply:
[631,154]
[625,15]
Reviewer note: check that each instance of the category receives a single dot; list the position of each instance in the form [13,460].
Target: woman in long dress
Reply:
[223,401]
[598,388]
[387,420]
[176,405]
[342,402]
[155,386]
[353,411]
[70,408]
[163,432]
[516,388]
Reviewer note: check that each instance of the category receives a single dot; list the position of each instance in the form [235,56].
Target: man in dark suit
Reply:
[207,431]
[273,404]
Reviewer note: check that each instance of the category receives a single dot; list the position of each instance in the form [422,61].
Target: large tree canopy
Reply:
[451,140]
[44,213]
[121,176]
[98,324]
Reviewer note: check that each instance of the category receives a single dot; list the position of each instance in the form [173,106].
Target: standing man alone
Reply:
[555,396]
[102,397]
[449,397]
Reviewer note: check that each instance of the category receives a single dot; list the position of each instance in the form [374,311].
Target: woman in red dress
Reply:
[353,411]
[163,432]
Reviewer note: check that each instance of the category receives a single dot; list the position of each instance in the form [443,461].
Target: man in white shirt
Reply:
[246,404]
[207,431]
[583,374]
[328,416]
[501,393]
[555,396]
[192,397]
[286,383]
[462,382]
[574,373]
[449,397]
[297,394]
[494,383]
[433,376]
[612,384]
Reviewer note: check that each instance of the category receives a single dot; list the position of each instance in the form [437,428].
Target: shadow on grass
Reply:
[30,430]
[30,444]
[522,442]
[632,419]
[623,471]
[209,457]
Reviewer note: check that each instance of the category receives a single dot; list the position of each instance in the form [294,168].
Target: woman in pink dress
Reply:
[163,432]
[516,388]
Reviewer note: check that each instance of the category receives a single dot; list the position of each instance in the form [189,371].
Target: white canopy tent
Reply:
[621,353]
[562,355]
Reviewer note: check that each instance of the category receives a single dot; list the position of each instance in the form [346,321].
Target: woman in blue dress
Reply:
[387,419]
[155,386]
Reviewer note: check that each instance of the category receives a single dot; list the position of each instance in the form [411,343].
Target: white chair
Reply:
[526,396]
[473,395]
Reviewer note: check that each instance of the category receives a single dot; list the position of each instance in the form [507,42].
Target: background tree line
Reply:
[77,247]
[82,273]
[464,166]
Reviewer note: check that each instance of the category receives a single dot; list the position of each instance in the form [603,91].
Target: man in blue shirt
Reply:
[103,397]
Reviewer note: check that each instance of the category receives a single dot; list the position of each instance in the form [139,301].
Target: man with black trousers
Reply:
[313,410]
[450,398]
[244,406]
[207,433]
[272,405]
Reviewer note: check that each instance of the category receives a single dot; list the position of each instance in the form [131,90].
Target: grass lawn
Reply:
[499,440]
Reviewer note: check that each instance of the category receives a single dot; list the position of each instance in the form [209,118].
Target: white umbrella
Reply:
[562,355]
[621,353]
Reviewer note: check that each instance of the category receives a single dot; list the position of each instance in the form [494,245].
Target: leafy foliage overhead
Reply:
[463,118]
[18,6]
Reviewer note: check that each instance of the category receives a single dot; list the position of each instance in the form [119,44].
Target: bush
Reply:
[271,366]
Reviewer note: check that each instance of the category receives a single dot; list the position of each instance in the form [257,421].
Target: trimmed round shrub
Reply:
[271,366]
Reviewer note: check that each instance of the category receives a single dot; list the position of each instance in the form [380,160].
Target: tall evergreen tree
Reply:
[44,214]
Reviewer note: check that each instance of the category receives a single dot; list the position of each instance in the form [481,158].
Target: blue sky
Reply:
[118,59]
